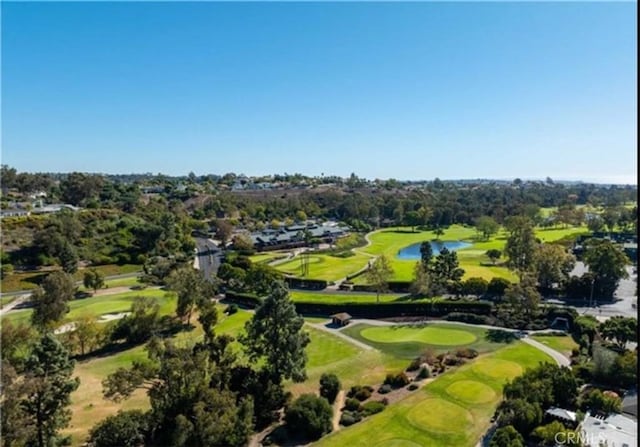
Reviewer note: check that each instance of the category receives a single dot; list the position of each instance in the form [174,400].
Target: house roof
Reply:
[561,413]
[616,429]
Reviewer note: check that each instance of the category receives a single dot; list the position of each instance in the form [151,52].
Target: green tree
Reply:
[50,300]
[142,323]
[85,333]
[620,330]
[378,275]
[494,254]
[625,369]
[329,387]
[487,226]
[438,232]
[596,401]
[475,286]
[224,230]
[607,263]
[549,434]
[521,245]
[192,290]
[421,285]
[275,333]
[426,253]
[123,429]
[15,342]
[78,187]
[507,437]
[310,416]
[68,258]
[523,296]
[552,264]
[446,268]
[49,370]
[93,279]
[16,425]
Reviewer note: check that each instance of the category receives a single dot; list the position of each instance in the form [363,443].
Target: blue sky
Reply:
[385,90]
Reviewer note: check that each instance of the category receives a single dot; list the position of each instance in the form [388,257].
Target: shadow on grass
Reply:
[284,438]
[500,336]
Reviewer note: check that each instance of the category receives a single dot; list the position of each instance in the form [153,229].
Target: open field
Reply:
[409,341]
[104,304]
[454,410]
[561,343]
[321,297]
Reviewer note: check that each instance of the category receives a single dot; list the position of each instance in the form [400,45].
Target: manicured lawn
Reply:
[101,305]
[327,353]
[561,343]
[322,266]
[266,257]
[431,335]
[454,410]
[320,297]
[409,341]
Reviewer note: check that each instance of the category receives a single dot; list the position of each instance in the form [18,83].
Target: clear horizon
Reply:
[408,91]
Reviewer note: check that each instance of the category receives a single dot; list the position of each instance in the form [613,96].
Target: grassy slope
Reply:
[563,344]
[319,297]
[453,410]
[101,305]
[30,280]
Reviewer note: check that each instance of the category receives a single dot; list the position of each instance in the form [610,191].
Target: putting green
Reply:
[471,391]
[440,415]
[430,335]
[498,369]
[397,442]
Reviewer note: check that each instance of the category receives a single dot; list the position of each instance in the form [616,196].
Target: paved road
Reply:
[625,298]
[209,257]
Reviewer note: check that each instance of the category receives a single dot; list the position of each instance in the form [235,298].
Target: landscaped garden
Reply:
[455,409]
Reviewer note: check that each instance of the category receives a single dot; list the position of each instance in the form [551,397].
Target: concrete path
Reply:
[560,359]
[337,333]
[337,409]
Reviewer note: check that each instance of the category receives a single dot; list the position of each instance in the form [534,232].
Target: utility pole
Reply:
[591,295]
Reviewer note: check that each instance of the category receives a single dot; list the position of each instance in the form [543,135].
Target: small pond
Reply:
[412,252]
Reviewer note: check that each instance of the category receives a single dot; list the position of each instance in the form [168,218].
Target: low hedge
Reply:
[376,310]
[306,284]
[395,309]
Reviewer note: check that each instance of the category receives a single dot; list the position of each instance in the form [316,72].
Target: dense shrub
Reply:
[125,428]
[466,353]
[309,416]
[352,404]
[360,392]
[349,418]
[384,389]
[396,380]
[424,373]
[413,387]
[372,407]
[497,287]
[329,387]
[469,318]
[414,365]
[231,309]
